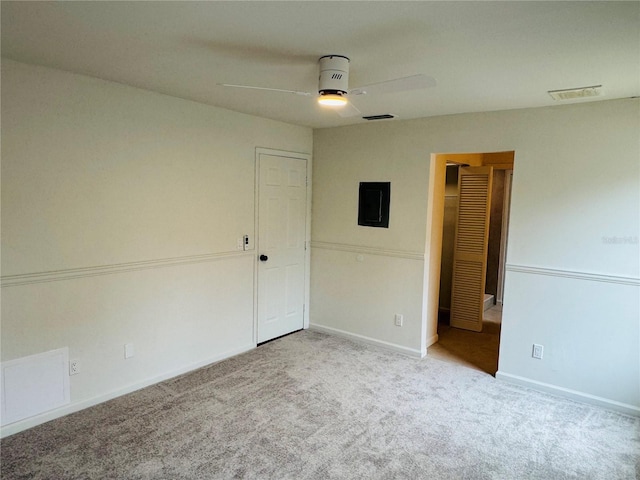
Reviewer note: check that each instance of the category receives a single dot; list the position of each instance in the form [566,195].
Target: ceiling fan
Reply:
[333,85]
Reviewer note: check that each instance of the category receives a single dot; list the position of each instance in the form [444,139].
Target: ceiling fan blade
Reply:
[306,94]
[413,82]
[349,110]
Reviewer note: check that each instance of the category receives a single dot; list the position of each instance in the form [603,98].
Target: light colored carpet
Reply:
[315,406]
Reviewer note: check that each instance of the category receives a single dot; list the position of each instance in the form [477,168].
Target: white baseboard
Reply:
[30,422]
[432,340]
[372,341]
[568,393]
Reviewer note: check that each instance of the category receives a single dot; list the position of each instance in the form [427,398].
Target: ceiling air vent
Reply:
[573,93]
[386,116]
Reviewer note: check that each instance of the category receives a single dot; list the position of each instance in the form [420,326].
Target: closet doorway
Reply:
[474,231]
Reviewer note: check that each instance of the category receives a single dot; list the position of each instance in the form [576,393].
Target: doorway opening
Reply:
[466,311]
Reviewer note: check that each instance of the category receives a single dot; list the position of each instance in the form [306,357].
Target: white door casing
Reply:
[281,255]
[504,237]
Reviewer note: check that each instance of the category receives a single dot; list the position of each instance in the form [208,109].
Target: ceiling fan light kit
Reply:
[333,84]
[332,99]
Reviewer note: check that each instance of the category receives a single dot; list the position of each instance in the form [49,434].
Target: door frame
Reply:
[504,237]
[435,215]
[256,243]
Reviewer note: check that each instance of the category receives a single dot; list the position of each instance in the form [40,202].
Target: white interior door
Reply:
[470,247]
[282,210]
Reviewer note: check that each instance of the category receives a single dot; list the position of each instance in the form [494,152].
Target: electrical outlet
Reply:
[398,320]
[129,351]
[74,366]
[537,351]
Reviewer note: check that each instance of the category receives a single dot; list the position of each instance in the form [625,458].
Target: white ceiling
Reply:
[484,55]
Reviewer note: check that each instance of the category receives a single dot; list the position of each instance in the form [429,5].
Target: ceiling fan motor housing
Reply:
[334,75]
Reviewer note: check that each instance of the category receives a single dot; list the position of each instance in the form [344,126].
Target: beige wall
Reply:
[576,184]
[450,213]
[121,210]
[495,233]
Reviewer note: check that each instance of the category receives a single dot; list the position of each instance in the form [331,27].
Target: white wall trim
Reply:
[57,275]
[594,277]
[344,247]
[432,340]
[372,341]
[19,426]
[568,393]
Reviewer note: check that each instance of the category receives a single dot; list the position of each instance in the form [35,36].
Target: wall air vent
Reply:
[386,116]
[573,93]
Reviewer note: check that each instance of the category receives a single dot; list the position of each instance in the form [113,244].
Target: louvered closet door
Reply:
[470,247]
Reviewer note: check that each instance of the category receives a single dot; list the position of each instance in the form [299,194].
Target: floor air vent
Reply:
[386,116]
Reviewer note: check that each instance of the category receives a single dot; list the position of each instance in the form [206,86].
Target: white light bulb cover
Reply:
[332,100]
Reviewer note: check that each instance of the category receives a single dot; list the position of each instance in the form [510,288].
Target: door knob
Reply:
[263,258]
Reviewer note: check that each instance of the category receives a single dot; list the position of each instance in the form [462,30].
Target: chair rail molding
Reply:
[71,273]
[593,277]
[344,247]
